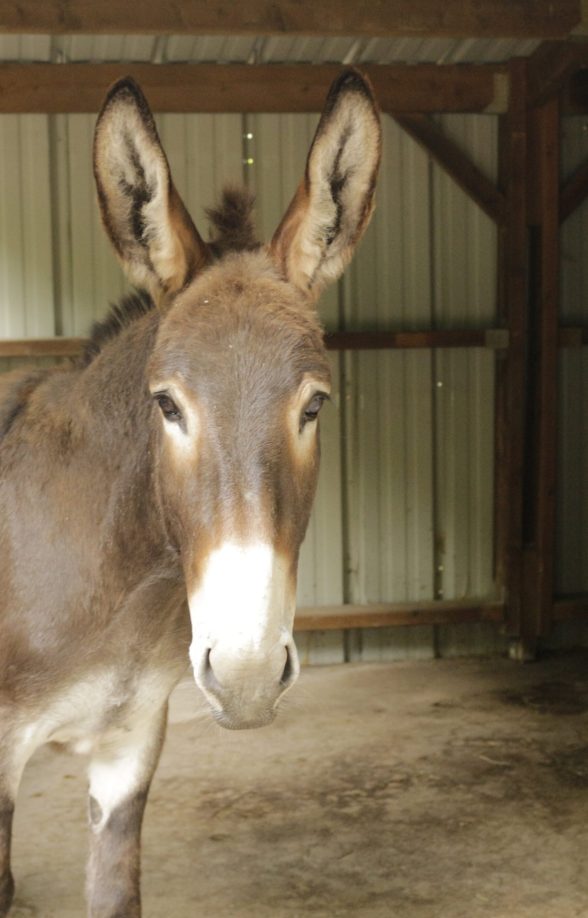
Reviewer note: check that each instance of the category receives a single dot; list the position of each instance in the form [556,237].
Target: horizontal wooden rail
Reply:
[495,339]
[250,88]
[385,615]
[41,347]
[492,338]
[572,336]
[570,608]
[420,18]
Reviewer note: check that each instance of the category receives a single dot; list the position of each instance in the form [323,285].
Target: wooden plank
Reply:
[455,162]
[538,584]
[335,341]
[549,166]
[575,94]
[550,68]
[412,340]
[572,336]
[573,192]
[249,88]
[570,608]
[42,347]
[511,372]
[494,18]
[567,336]
[385,615]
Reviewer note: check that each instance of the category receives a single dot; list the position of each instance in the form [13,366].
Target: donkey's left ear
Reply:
[148,225]
[335,200]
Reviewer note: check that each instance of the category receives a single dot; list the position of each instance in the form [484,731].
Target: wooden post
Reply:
[539,527]
[512,371]
[526,432]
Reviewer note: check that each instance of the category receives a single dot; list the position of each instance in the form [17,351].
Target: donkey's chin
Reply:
[235,712]
[237,721]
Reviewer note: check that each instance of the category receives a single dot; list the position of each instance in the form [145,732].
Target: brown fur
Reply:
[15,391]
[104,523]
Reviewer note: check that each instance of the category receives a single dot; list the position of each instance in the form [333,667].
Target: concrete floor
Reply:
[451,789]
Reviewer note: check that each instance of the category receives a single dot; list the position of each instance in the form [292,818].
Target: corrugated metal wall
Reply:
[404,507]
[26,266]
[420,468]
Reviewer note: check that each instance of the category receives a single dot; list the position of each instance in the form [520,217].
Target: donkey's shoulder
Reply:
[16,389]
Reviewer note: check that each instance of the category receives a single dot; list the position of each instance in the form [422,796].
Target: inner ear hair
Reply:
[335,200]
[143,215]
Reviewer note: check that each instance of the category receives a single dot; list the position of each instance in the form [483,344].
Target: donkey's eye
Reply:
[169,409]
[311,411]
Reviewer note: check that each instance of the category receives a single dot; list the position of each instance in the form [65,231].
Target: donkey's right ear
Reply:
[144,216]
[334,202]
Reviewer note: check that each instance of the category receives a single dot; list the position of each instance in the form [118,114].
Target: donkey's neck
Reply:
[113,397]
[97,580]
[113,387]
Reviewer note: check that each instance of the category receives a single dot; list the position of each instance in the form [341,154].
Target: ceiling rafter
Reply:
[71,88]
[491,19]
[456,163]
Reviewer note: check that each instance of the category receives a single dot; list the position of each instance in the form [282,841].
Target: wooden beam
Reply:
[573,191]
[540,466]
[75,88]
[550,68]
[492,338]
[423,18]
[496,339]
[575,96]
[455,162]
[385,615]
[41,347]
[511,372]
[570,608]
[572,336]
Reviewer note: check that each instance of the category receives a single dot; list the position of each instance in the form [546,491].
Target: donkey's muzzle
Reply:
[244,689]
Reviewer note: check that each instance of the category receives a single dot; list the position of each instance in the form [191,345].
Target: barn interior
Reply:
[422,770]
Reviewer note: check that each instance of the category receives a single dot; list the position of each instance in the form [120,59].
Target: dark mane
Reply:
[232,222]
[233,231]
[15,398]
[133,306]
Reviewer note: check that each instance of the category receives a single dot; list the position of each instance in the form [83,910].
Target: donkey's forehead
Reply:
[240,318]
[239,280]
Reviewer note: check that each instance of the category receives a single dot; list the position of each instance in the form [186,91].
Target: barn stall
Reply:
[450,517]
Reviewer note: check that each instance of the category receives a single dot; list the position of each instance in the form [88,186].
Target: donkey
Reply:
[154,494]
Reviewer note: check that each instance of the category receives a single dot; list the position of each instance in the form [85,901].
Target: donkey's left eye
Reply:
[311,411]
[169,409]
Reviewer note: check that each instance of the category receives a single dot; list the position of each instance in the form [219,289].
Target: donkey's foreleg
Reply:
[6,879]
[120,774]
[13,756]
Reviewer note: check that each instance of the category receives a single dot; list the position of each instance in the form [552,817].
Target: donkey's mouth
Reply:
[236,722]
[245,699]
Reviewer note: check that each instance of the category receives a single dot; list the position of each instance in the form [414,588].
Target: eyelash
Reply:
[311,411]
[168,407]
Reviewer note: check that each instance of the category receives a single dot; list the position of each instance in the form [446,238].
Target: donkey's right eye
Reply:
[169,409]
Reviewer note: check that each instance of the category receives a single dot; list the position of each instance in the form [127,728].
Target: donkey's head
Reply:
[238,375]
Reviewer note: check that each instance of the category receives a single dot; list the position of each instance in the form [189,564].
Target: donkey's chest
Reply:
[102,706]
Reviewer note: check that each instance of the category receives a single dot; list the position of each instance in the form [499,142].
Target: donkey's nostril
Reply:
[290,672]
[206,673]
